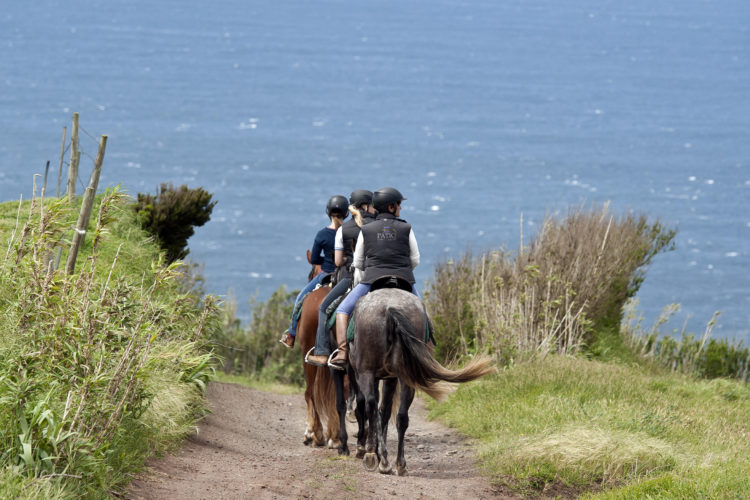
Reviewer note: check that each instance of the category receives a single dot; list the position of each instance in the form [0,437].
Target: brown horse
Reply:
[390,326]
[322,418]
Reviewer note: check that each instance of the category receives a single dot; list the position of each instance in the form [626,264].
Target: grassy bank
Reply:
[621,431]
[99,369]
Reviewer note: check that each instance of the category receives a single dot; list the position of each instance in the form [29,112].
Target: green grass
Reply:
[615,430]
[98,370]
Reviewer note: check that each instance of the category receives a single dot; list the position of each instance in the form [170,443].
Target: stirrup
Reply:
[309,362]
[331,365]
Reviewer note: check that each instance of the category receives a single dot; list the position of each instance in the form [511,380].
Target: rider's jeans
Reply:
[322,339]
[308,288]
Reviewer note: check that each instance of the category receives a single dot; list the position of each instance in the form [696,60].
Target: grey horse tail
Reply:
[419,368]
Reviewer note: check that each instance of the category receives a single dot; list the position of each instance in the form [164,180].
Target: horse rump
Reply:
[418,368]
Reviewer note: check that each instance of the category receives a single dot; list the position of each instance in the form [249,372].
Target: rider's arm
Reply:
[338,249]
[413,250]
[359,253]
[316,256]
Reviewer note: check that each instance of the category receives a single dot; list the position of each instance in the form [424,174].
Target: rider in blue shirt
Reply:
[322,254]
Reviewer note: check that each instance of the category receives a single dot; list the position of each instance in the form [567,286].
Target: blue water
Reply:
[479,111]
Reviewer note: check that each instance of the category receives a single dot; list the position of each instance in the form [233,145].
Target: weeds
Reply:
[80,405]
[700,356]
[550,296]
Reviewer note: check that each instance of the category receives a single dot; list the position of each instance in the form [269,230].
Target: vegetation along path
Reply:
[250,446]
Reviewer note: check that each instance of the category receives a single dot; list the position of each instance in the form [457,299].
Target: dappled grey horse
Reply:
[391,343]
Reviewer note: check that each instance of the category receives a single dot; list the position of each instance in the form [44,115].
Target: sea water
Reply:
[487,115]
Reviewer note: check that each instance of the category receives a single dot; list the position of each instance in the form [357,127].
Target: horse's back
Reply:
[378,301]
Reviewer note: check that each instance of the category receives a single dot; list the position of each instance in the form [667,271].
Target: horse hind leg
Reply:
[402,423]
[386,406]
[368,386]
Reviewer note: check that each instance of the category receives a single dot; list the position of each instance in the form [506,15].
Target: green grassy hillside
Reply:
[100,369]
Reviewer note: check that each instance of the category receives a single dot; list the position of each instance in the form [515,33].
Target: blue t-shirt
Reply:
[323,243]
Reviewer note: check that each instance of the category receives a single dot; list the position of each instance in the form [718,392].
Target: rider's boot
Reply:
[317,359]
[339,359]
[287,339]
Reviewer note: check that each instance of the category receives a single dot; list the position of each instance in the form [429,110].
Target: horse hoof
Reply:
[385,469]
[307,441]
[360,451]
[370,461]
[344,450]
[331,445]
[351,417]
[401,470]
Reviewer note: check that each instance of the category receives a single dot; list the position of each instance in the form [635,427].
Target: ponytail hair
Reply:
[356,214]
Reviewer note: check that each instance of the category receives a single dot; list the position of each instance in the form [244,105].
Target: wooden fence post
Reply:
[44,185]
[74,158]
[62,154]
[86,206]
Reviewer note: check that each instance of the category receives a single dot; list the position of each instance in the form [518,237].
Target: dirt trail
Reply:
[250,447]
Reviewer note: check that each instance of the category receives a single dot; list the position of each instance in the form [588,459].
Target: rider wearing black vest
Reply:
[350,232]
[385,247]
[360,205]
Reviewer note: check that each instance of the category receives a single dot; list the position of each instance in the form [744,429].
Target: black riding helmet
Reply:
[337,204]
[360,197]
[386,196]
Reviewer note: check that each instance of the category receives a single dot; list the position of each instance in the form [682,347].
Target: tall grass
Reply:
[701,356]
[550,296]
[98,369]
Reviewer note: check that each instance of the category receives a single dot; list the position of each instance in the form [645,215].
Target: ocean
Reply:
[483,113]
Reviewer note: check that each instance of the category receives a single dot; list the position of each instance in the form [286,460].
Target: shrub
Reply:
[575,275]
[698,356]
[254,350]
[171,215]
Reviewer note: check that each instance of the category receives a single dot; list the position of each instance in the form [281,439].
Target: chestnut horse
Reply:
[322,417]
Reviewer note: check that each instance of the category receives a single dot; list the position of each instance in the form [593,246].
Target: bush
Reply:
[171,215]
[575,276]
[255,350]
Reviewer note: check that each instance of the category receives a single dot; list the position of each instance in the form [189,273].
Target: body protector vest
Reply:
[350,232]
[387,250]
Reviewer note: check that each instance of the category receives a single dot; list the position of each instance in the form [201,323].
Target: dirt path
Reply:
[251,447]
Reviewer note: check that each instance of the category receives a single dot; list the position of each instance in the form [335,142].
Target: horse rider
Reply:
[360,206]
[385,247]
[322,255]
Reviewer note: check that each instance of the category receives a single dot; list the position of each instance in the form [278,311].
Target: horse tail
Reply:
[419,369]
[324,395]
